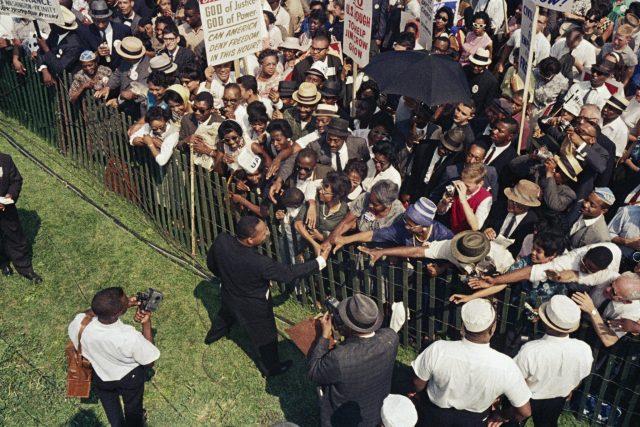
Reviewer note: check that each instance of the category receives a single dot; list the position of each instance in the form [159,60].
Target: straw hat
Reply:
[560,314]
[162,63]
[326,110]
[130,48]
[68,20]
[525,192]
[290,43]
[307,94]
[569,166]
[470,247]
[481,57]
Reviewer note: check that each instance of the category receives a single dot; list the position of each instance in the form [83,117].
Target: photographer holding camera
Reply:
[355,377]
[117,352]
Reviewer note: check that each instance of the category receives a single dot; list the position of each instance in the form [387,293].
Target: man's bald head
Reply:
[591,112]
[628,286]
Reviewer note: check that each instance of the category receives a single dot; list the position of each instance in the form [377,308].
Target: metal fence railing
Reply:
[93,137]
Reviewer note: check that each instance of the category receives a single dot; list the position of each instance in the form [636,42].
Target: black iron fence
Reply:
[93,137]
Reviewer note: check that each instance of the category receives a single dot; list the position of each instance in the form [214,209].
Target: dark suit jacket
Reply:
[10,179]
[496,219]
[355,378]
[121,79]
[423,153]
[92,39]
[63,55]
[183,57]
[120,19]
[356,148]
[503,158]
[604,178]
[453,172]
[595,163]
[304,65]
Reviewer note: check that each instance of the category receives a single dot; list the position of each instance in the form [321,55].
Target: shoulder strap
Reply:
[87,319]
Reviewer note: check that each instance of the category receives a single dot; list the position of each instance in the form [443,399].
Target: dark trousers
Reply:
[435,416]
[14,247]
[545,412]
[131,388]
[257,319]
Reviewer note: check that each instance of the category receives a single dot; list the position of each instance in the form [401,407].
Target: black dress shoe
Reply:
[7,271]
[280,369]
[213,336]
[33,276]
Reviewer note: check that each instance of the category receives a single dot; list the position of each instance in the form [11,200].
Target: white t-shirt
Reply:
[617,132]
[541,46]
[114,350]
[442,250]
[469,376]
[585,53]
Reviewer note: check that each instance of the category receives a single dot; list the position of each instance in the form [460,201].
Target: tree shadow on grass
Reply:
[84,418]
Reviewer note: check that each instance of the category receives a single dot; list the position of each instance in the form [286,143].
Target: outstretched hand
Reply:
[375,254]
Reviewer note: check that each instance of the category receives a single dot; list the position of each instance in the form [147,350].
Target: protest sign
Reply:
[356,38]
[452,4]
[559,5]
[529,20]
[44,10]
[233,29]
[426,24]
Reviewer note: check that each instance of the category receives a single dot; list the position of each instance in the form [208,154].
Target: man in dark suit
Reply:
[501,150]
[337,146]
[517,221]
[14,247]
[61,50]
[245,298]
[592,113]
[474,154]
[482,83]
[412,131]
[319,52]
[180,55]
[126,14]
[354,377]
[430,159]
[101,36]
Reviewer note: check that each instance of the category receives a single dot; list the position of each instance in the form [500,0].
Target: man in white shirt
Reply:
[554,365]
[463,378]
[613,126]
[593,91]
[541,46]
[618,300]
[117,352]
[583,52]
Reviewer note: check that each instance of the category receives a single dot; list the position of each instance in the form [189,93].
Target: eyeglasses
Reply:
[590,120]
[478,26]
[300,168]
[585,268]
[318,49]
[201,110]
[230,100]
[442,18]
[409,226]
[169,39]
[325,192]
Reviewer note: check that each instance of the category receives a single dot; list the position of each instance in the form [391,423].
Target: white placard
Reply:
[233,29]
[559,5]
[42,10]
[426,23]
[527,28]
[356,38]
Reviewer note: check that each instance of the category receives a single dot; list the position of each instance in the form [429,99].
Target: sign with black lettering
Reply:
[356,38]
[43,10]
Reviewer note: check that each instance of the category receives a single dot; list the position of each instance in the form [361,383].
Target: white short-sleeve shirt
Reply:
[469,376]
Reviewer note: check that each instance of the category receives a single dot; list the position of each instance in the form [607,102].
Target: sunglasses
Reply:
[201,110]
[478,26]
[442,18]
[300,168]
[599,72]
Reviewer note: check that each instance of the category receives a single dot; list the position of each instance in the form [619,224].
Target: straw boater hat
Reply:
[326,110]
[130,48]
[618,103]
[470,247]
[162,63]
[360,313]
[99,10]
[569,165]
[307,94]
[453,140]
[525,192]
[481,57]
[290,43]
[68,20]
[560,314]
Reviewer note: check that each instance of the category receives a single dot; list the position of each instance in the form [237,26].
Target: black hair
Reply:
[369,85]
[600,256]
[407,39]
[172,95]
[171,29]
[385,149]
[369,104]
[267,53]
[166,20]
[484,16]
[235,86]
[107,303]
[321,35]
[450,17]
[357,166]
[552,242]
[292,198]
[256,107]
[282,126]
[384,120]
[549,66]
[158,113]
[308,153]
[318,15]
[159,78]
[257,115]
[229,126]
[192,5]
[246,226]
[204,97]
[191,72]
[339,184]
[144,21]
[511,123]
[411,24]
[443,39]
[248,82]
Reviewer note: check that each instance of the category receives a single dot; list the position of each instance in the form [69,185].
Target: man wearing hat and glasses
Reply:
[482,83]
[337,146]
[554,365]
[463,378]
[613,127]
[61,50]
[593,91]
[354,377]
[103,36]
[300,117]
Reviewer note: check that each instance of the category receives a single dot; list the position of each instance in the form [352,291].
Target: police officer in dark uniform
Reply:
[14,247]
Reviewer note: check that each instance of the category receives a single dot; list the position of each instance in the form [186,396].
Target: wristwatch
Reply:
[594,312]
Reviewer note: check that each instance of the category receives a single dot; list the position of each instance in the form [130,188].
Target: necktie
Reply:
[510,227]
[104,36]
[170,55]
[338,163]
[584,100]
[489,157]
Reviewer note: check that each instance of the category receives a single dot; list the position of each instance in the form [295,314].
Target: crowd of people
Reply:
[542,197]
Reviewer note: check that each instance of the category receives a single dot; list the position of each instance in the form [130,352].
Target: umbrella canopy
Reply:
[432,79]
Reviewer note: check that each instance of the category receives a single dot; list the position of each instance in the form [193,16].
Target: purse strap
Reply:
[85,321]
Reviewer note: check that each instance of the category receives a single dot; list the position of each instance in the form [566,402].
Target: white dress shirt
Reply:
[441,249]
[114,350]
[617,132]
[469,376]
[582,93]
[169,141]
[390,174]
[554,366]
[436,157]
[615,309]
[343,152]
[572,260]
[542,47]
[585,53]
[631,114]
[507,220]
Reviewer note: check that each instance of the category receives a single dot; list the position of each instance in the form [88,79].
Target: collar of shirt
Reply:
[498,151]
[344,155]
[468,343]
[547,337]
[507,219]
[62,36]
[589,221]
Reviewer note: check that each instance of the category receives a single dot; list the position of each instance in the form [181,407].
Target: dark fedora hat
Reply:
[286,88]
[99,10]
[469,247]
[338,127]
[330,88]
[360,313]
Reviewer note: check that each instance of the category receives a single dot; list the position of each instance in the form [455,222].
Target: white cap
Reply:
[561,314]
[398,411]
[318,67]
[478,315]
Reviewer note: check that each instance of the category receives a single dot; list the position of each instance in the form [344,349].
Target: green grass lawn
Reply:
[78,251]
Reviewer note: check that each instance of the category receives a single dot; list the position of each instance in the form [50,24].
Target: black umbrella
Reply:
[432,79]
